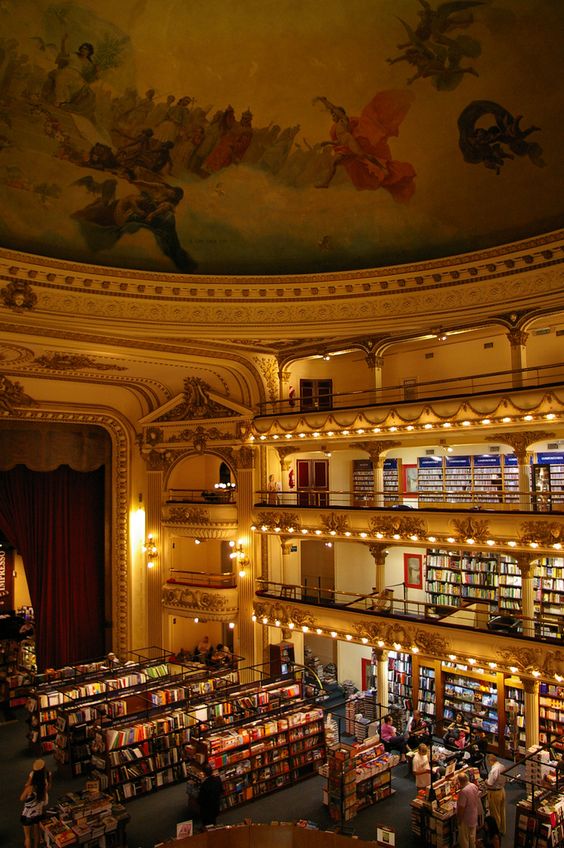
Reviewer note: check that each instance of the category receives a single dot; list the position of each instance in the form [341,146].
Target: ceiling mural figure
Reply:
[181,138]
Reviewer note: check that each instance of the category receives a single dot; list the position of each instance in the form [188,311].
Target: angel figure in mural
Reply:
[487,145]
[432,52]
[360,145]
[68,86]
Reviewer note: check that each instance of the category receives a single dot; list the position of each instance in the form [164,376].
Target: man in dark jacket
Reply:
[211,790]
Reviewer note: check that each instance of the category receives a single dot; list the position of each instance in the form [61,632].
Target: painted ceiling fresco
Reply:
[267,137]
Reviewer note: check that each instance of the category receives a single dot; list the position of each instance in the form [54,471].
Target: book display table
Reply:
[434,821]
[85,818]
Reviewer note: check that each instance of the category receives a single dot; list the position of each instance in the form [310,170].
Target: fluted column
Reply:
[375,366]
[155,578]
[517,341]
[526,565]
[531,688]
[381,676]
[244,460]
[379,553]
[375,451]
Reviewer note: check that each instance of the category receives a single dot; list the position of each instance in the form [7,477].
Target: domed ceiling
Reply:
[288,137]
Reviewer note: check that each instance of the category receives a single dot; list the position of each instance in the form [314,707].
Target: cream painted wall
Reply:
[349,662]
[196,472]
[354,569]
[183,632]
[395,573]
[349,372]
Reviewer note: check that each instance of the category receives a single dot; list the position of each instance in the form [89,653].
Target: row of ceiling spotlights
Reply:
[550,416]
[396,536]
[396,646]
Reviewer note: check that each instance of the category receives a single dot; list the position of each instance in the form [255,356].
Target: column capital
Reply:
[285,544]
[376,448]
[531,687]
[284,376]
[244,457]
[379,551]
[526,564]
[283,453]
[521,441]
[373,360]
[517,337]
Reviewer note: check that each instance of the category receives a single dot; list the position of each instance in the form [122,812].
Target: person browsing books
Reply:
[35,796]
[495,785]
[469,812]
[390,738]
[209,797]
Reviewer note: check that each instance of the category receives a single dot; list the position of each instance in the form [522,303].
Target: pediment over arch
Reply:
[197,402]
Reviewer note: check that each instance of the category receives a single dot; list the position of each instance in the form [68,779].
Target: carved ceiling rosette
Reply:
[545,533]
[472,528]
[335,523]
[394,526]
[18,295]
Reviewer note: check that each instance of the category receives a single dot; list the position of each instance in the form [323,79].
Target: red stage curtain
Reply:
[55,520]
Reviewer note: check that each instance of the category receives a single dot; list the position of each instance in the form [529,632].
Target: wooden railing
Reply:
[202,578]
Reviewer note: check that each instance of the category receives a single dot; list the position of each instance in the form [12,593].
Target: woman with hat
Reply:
[35,797]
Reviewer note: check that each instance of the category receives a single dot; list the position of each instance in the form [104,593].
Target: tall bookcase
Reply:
[392,477]
[515,737]
[362,482]
[426,692]
[400,692]
[551,711]
[476,696]
[430,479]
[453,578]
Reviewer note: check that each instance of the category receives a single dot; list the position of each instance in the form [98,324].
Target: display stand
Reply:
[433,819]
[357,776]
[90,818]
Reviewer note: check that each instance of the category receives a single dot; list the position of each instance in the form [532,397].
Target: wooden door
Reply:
[313,482]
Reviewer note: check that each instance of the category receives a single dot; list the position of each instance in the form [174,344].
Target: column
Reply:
[285,465]
[244,460]
[381,657]
[531,688]
[155,578]
[525,563]
[375,366]
[379,553]
[520,443]
[517,341]
[375,450]
[287,391]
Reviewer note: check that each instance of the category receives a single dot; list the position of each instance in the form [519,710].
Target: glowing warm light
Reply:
[535,673]
[375,429]
[414,649]
[347,532]
[470,541]
[512,544]
[465,423]
[277,529]
[302,435]
[527,418]
[379,535]
[277,623]
[513,669]
[380,643]
[242,572]
[363,535]
[428,427]
[334,634]
[305,531]
[396,536]
[196,620]
[265,620]
[348,637]
[232,625]
[471,660]
[345,432]
[305,628]
[262,438]
[492,665]
[451,539]
[316,435]
[533,544]
[318,532]
[432,538]
[319,631]
[452,656]
[486,421]
[490,542]
[253,618]
[360,432]
[506,420]
[264,528]
[332,532]
[276,436]
[392,429]
[550,417]
[410,427]
[397,646]
[447,424]
[291,625]
[558,677]
[364,640]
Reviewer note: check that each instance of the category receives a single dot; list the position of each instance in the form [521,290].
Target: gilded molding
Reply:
[545,533]
[220,604]
[472,528]
[187,515]
[13,396]
[197,404]
[283,520]
[376,448]
[73,362]
[522,440]
[18,295]
[268,367]
[335,523]
[392,526]
[244,457]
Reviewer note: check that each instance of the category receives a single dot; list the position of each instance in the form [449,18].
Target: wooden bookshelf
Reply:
[357,776]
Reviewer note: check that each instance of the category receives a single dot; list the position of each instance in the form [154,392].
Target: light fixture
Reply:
[326,357]
[364,640]
[348,637]
[319,631]
[334,634]
[150,550]
[380,643]
[277,623]
[291,625]
[197,541]
[513,669]
[232,625]
[196,620]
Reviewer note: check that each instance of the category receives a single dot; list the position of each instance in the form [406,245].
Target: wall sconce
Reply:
[326,356]
[238,553]
[150,550]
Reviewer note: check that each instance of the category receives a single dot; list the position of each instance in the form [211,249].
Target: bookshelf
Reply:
[458,478]
[426,700]
[430,479]
[549,595]
[357,776]
[392,475]
[131,693]
[475,695]
[514,733]
[259,757]
[455,578]
[540,824]
[363,482]
[551,711]
[487,479]
[434,823]
[400,692]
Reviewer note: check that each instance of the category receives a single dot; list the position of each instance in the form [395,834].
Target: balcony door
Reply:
[313,482]
[316,394]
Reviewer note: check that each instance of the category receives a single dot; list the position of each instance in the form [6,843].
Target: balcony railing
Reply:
[476,615]
[202,578]
[503,500]
[496,381]
[218,494]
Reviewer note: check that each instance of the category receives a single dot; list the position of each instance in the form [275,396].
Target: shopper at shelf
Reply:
[35,797]
[202,648]
[421,767]
[495,785]
[209,797]
[390,738]
[478,750]
[418,730]
[469,812]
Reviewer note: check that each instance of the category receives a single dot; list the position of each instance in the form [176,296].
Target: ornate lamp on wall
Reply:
[238,553]
[150,550]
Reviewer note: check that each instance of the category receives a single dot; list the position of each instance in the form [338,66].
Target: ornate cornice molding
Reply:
[213,605]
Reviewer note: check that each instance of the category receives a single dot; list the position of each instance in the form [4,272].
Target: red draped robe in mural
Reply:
[365,139]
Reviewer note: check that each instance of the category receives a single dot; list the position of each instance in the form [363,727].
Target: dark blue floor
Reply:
[154,817]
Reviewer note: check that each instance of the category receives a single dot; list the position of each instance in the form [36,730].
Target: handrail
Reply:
[473,498]
[202,578]
[477,614]
[212,495]
[516,380]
